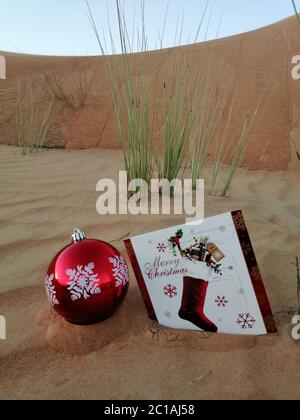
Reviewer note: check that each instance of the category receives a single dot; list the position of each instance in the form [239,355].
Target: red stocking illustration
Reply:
[201,258]
[193,301]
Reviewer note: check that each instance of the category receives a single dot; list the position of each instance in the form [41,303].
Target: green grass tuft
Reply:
[33,118]
[72,92]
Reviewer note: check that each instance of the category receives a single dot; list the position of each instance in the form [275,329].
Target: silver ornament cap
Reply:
[78,236]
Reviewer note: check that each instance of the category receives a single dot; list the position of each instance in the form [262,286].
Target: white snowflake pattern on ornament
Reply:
[120,271]
[50,290]
[83,282]
[246,321]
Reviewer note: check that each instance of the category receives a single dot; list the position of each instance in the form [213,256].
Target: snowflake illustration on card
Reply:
[120,271]
[83,282]
[246,321]
[170,291]
[221,302]
[168,315]
[161,247]
[50,290]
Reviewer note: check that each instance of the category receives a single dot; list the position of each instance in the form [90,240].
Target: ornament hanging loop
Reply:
[78,236]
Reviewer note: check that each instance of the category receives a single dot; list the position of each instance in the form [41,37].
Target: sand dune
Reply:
[260,61]
[43,197]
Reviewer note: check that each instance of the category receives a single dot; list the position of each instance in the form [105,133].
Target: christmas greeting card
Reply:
[203,277]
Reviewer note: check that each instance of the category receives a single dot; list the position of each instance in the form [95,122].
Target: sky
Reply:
[61,27]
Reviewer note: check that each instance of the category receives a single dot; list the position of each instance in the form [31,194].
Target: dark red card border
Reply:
[140,279]
[255,275]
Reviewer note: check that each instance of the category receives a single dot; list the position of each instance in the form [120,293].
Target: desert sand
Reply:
[43,197]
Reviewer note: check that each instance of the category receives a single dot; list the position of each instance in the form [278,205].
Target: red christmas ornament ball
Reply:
[87,281]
